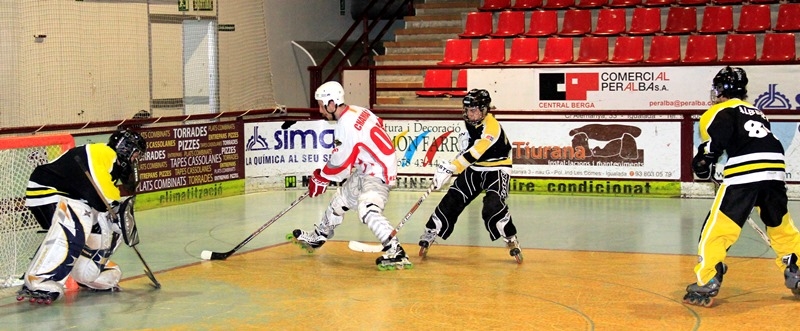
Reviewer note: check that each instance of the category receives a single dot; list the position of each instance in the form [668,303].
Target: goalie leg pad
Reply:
[88,273]
[61,247]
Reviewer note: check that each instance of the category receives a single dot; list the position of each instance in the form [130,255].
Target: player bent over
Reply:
[363,146]
[483,165]
[81,235]
[753,177]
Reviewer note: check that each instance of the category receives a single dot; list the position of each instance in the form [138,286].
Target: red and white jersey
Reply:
[361,143]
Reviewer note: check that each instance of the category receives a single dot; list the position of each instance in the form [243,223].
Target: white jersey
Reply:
[361,143]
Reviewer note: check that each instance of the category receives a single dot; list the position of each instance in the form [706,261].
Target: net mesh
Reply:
[92,60]
[20,234]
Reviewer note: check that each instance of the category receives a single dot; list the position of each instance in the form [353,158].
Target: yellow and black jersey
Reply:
[64,177]
[742,130]
[489,147]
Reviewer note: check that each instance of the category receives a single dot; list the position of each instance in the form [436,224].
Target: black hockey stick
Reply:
[147,270]
[362,247]
[209,255]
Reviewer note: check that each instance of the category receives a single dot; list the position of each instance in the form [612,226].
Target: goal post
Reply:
[19,231]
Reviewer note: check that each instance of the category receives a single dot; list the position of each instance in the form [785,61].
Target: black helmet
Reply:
[126,143]
[477,98]
[730,83]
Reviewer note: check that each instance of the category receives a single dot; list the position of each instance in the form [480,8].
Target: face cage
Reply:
[484,111]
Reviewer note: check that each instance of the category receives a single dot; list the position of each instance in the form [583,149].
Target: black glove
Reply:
[703,163]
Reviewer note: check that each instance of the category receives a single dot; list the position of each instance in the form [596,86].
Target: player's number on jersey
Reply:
[381,140]
[756,129]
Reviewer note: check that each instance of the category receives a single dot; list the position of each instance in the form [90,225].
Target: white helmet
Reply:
[330,91]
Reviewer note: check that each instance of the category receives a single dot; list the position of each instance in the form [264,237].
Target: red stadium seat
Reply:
[788,17]
[589,4]
[645,21]
[727,2]
[523,51]
[457,52]
[657,3]
[778,47]
[610,22]
[436,78]
[543,23]
[495,5]
[681,20]
[624,3]
[557,51]
[763,1]
[461,84]
[664,49]
[739,48]
[694,2]
[478,25]
[717,19]
[527,4]
[754,19]
[593,50]
[490,51]
[628,49]
[701,49]
[577,22]
[509,24]
[558,4]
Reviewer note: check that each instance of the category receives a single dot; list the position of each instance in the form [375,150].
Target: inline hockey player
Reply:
[81,236]
[363,146]
[754,176]
[484,164]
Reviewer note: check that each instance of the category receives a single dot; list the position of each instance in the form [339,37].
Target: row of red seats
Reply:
[443,78]
[644,21]
[498,5]
[776,47]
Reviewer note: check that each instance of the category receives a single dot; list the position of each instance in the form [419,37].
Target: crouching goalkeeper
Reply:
[82,233]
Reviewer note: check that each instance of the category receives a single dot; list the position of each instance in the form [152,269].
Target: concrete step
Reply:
[434,21]
[446,7]
[408,59]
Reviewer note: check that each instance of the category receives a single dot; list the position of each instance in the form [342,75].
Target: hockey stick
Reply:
[209,255]
[147,270]
[366,248]
[749,219]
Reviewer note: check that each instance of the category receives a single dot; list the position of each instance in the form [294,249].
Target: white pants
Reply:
[70,247]
[366,193]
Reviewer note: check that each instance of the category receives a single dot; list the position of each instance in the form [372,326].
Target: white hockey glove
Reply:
[463,142]
[443,173]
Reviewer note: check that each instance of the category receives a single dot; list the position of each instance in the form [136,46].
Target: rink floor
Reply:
[590,263]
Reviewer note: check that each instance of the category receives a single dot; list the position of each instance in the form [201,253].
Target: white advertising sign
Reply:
[421,145]
[629,88]
[271,150]
[621,150]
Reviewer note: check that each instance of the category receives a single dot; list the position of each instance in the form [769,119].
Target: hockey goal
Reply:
[20,234]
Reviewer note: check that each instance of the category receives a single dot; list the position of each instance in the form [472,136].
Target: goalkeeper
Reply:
[483,165]
[81,235]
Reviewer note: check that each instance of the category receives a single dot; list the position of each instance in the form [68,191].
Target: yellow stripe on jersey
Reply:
[42,192]
[731,171]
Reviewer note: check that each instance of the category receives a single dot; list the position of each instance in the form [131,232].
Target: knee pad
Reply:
[369,205]
[88,273]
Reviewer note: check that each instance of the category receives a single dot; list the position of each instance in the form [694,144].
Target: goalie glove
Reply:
[318,184]
[443,173]
[703,163]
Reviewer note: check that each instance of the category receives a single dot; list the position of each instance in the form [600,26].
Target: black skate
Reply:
[309,241]
[791,275]
[394,257]
[704,295]
[425,241]
[38,296]
[513,248]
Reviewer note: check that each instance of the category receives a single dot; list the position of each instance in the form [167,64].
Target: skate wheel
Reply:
[32,300]
[382,267]
[518,257]
[708,302]
[408,266]
[20,298]
[289,236]
[423,252]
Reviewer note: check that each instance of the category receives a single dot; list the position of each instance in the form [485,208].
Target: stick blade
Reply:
[209,255]
[365,248]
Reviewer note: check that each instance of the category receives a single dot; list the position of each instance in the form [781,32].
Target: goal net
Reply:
[19,232]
